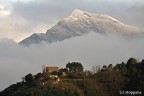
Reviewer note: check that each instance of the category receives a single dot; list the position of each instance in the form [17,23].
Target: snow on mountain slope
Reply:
[79,23]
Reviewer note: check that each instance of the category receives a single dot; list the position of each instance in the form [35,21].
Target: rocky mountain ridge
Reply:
[79,23]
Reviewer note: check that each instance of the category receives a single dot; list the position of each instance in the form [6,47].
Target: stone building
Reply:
[52,69]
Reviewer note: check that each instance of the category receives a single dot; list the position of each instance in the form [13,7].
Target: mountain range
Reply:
[79,23]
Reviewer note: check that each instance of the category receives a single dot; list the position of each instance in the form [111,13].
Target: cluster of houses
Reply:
[49,75]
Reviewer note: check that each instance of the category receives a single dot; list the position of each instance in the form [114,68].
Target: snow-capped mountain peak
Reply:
[77,14]
[85,16]
[81,22]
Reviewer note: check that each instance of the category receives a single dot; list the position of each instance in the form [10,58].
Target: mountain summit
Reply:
[79,23]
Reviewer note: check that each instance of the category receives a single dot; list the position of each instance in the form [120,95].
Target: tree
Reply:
[38,76]
[29,78]
[104,67]
[131,62]
[142,62]
[123,68]
[110,67]
[117,67]
[74,67]
[130,66]
[142,65]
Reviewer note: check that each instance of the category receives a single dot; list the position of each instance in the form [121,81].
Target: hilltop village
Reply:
[54,75]
[123,79]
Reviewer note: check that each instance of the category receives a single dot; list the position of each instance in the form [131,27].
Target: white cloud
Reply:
[91,49]
[4,11]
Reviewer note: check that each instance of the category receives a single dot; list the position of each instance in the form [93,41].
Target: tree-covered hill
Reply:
[124,79]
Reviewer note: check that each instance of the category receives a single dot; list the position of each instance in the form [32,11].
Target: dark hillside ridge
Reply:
[124,79]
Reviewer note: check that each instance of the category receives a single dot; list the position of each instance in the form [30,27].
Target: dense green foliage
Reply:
[109,81]
[74,67]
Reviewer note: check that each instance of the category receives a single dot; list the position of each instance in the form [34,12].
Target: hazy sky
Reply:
[21,18]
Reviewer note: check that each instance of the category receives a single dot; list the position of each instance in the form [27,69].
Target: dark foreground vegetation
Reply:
[125,79]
